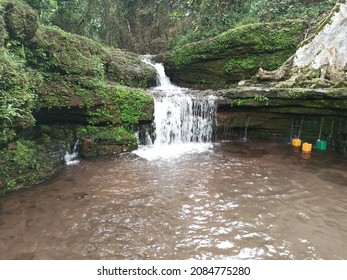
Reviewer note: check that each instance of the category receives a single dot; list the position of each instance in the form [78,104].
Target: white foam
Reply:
[71,158]
[165,152]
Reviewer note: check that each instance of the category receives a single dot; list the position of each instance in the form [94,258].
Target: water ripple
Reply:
[212,205]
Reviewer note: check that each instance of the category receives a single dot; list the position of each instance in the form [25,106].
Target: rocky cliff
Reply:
[234,55]
[56,87]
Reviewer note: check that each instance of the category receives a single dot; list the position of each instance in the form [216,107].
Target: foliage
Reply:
[276,9]
[261,98]
[115,22]
[44,8]
[16,96]
[206,18]
[136,24]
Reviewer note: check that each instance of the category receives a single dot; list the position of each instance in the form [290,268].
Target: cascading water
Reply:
[163,81]
[183,124]
[71,158]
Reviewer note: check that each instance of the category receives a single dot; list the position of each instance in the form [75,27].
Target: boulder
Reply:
[21,22]
[234,55]
[105,141]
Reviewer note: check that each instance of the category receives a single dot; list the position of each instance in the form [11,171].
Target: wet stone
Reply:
[90,248]
[79,195]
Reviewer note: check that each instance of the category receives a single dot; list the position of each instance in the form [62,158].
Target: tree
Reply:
[153,25]
[322,59]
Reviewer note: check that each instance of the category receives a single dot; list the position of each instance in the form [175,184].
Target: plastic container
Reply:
[321,145]
[296,142]
[307,147]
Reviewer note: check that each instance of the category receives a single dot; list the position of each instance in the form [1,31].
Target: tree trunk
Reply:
[321,60]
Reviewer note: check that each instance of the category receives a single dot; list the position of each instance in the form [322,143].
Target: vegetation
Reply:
[58,69]
[45,68]
[153,25]
[16,96]
[257,100]
[234,55]
[24,163]
[123,105]
[106,141]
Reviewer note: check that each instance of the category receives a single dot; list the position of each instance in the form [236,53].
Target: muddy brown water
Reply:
[237,201]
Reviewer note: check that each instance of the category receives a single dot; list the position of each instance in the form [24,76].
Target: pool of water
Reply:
[255,200]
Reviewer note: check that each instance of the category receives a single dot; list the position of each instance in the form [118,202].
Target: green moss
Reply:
[58,51]
[240,63]
[257,100]
[260,37]
[105,141]
[24,163]
[293,93]
[119,135]
[21,21]
[16,96]
[79,72]
[236,54]
[53,50]
[121,104]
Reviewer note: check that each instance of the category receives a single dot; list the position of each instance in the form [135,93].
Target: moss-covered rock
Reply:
[21,21]
[27,162]
[127,68]
[65,70]
[105,141]
[74,64]
[234,55]
[62,69]
[16,96]
[49,76]
[286,100]
[123,105]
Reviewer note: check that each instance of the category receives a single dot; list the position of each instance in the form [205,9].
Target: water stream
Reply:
[71,156]
[180,197]
[183,123]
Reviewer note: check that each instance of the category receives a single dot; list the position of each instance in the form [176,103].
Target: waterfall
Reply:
[245,133]
[179,119]
[163,81]
[182,123]
[71,157]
